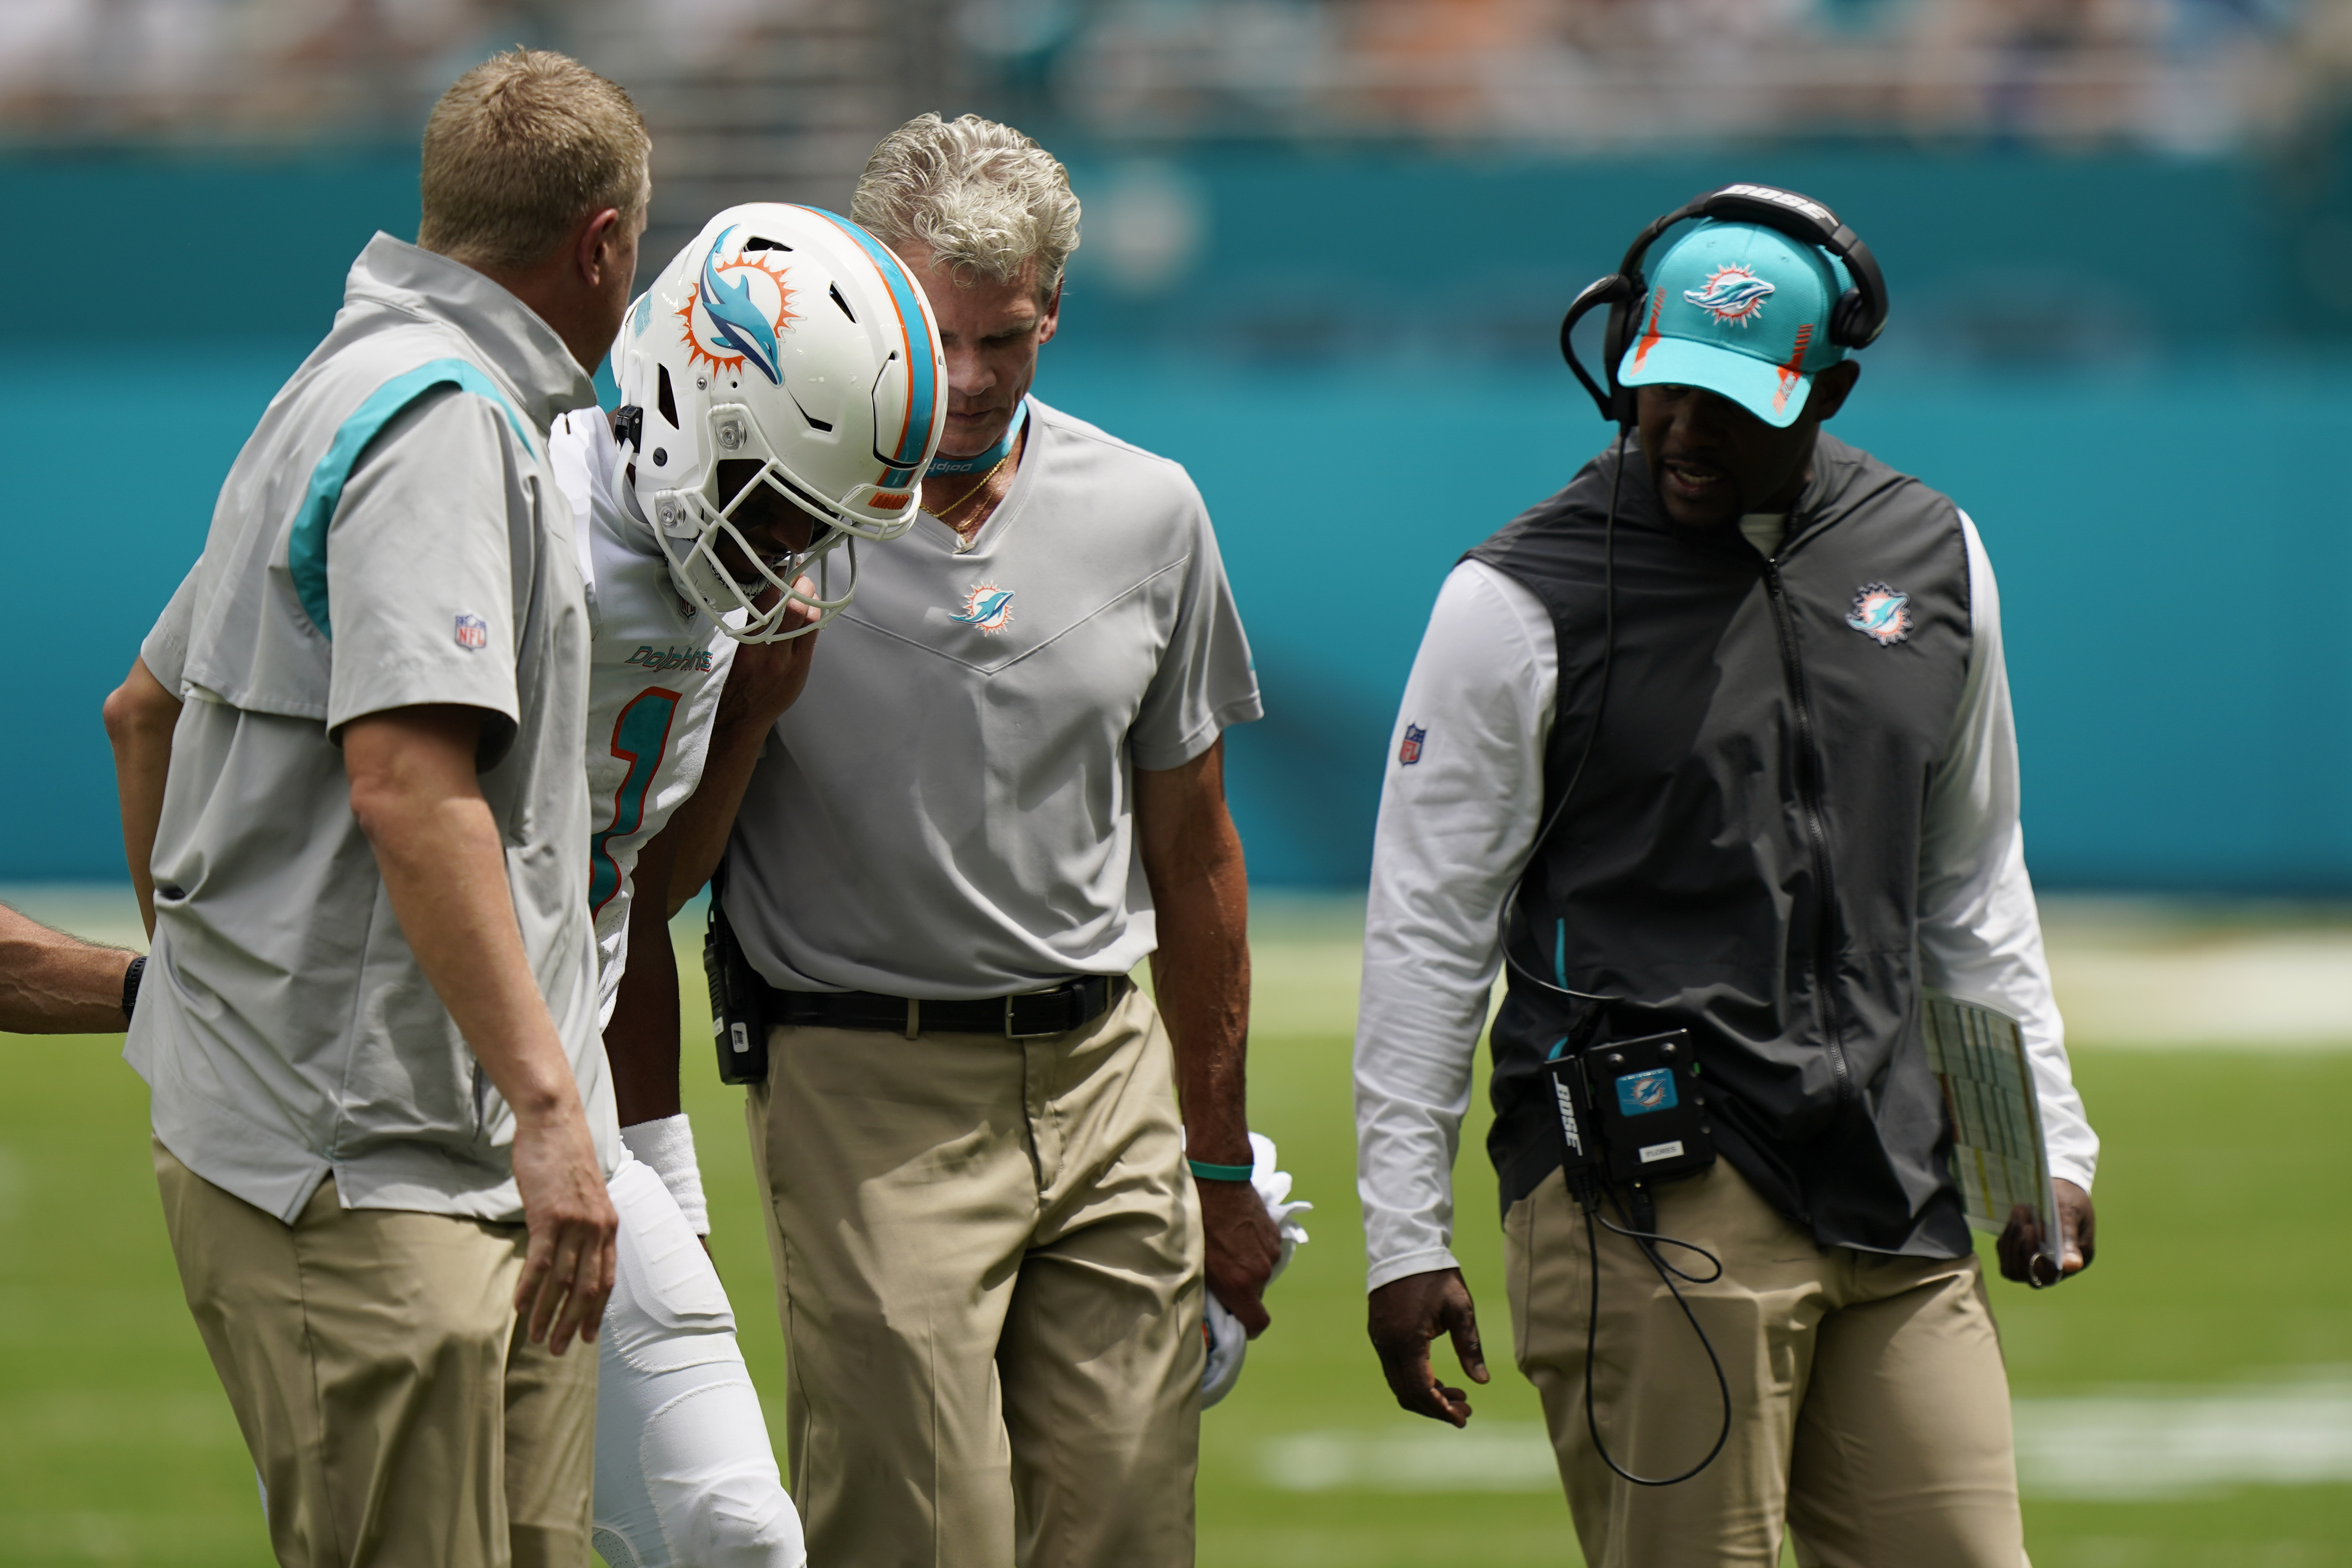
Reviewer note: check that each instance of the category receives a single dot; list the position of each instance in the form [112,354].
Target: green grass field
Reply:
[2225,1265]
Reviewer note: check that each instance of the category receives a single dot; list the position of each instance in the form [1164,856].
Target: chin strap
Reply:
[944,464]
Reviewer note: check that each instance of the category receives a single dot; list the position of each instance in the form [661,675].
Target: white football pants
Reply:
[685,1476]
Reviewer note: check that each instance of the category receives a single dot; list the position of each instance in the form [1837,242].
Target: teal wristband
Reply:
[1209,1172]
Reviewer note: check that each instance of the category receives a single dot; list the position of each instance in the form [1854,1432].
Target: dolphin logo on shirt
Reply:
[987,607]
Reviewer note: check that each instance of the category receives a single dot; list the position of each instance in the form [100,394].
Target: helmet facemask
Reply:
[694,527]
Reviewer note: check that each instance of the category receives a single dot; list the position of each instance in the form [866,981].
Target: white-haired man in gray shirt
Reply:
[1002,790]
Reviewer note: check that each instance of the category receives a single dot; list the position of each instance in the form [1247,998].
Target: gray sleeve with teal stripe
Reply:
[426,563]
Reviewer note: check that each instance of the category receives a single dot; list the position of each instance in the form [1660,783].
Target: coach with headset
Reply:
[1718,738]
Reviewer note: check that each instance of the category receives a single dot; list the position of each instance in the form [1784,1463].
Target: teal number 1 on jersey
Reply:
[640,735]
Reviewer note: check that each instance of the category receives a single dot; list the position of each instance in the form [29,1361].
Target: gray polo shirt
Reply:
[948,811]
[391,535]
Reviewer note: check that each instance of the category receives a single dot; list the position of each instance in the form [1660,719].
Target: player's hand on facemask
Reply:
[768,678]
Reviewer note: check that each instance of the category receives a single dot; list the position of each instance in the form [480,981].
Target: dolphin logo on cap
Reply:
[1733,294]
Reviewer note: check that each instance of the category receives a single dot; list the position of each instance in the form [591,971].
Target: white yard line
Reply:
[2286,989]
[1506,1457]
[2131,974]
[2170,1443]
[2145,975]
[2132,1445]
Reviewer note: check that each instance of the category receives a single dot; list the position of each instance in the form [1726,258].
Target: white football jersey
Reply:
[656,667]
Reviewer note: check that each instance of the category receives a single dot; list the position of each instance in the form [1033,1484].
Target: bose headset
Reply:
[1855,321]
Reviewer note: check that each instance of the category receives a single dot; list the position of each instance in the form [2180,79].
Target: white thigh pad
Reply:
[667,1308]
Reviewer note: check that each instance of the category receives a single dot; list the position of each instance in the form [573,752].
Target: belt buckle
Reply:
[1013,1034]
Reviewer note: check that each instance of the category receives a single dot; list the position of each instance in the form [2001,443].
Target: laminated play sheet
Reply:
[1999,1158]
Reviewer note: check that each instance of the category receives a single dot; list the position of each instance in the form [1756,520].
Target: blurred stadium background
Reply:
[1327,243]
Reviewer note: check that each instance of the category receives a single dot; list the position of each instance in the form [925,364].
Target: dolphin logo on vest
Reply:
[1881,613]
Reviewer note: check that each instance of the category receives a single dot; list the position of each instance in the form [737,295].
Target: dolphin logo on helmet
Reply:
[737,318]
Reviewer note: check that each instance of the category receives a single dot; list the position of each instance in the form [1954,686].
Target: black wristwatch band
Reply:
[131,984]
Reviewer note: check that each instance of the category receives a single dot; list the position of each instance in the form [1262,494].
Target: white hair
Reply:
[982,198]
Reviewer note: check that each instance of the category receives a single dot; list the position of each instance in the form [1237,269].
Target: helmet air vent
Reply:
[662,399]
[757,243]
[813,422]
[843,304]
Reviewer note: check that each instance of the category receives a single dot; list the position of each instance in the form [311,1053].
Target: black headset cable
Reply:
[1648,1242]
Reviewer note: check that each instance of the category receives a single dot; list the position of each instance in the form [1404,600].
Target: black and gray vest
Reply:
[1741,858]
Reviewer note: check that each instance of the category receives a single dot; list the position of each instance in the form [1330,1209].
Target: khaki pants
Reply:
[1870,1409]
[397,1412]
[989,1265]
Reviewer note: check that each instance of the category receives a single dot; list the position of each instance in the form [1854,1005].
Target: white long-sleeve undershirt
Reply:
[1457,825]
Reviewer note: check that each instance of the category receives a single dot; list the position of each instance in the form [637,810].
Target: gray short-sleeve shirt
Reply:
[948,811]
[391,536]
[422,568]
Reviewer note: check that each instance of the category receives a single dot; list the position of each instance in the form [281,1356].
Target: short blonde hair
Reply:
[521,149]
[979,196]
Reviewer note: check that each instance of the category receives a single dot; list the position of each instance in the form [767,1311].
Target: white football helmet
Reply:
[793,338]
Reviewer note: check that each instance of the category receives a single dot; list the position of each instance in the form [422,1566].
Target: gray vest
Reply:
[1742,855]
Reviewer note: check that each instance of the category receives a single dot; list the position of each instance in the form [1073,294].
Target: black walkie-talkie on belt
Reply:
[1632,1110]
[737,995]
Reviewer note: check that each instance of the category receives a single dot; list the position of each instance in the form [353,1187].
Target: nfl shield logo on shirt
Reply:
[1408,752]
[472,632]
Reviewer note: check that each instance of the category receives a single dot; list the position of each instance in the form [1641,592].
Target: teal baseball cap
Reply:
[1742,310]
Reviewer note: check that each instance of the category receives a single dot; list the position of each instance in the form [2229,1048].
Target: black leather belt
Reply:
[1073,1004]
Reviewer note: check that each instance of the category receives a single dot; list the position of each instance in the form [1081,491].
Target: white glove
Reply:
[1228,1341]
[667,1145]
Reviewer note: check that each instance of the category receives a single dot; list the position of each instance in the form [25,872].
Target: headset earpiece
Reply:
[1618,293]
[1861,313]
[1617,336]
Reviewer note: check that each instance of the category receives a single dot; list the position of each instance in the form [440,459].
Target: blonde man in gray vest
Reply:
[1001,791]
[382,1123]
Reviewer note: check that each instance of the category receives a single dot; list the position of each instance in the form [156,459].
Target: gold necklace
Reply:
[942,512]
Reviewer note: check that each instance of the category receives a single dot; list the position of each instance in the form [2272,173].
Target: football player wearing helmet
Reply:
[779,406]
[1002,790]
[714,517]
